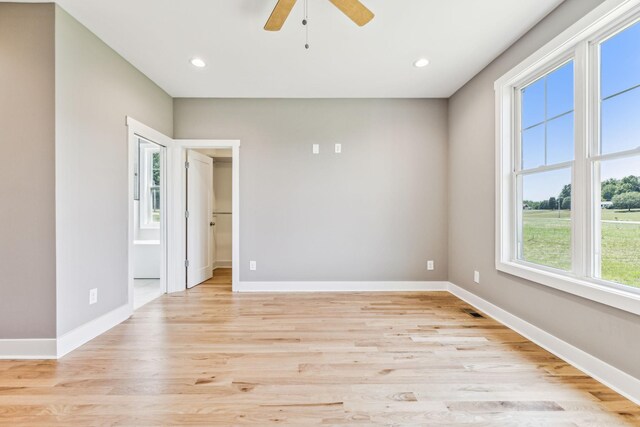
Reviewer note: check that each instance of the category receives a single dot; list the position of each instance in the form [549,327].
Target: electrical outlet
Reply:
[316,149]
[476,276]
[430,265]
[338,148]
[252,266]
[93,296]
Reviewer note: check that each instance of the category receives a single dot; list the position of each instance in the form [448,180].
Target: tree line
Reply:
[618,193]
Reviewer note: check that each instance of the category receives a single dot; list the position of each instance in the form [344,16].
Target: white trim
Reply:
[147,132]
[51,348]
[85,333]
[601,371]
[572,43]
[26,349]
[604,294]
[177,201]
[339,286]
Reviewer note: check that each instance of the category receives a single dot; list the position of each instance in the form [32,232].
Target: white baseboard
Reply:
[28,349]
[223,264]
[608,375]
[85,333]
[340,286]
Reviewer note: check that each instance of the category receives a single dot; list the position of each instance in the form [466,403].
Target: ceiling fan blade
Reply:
[355,10]
[279,15]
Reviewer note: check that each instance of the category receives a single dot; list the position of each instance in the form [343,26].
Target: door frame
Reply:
[137,130]
[178,156]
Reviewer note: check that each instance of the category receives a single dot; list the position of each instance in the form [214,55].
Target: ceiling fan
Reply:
[355,10]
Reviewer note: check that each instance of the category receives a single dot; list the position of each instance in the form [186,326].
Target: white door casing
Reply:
[199,208]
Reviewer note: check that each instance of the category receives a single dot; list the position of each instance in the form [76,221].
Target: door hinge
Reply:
[186,165]
[186,263]
[186,214]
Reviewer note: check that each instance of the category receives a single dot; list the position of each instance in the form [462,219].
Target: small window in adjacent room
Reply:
[568,156]
[149,185]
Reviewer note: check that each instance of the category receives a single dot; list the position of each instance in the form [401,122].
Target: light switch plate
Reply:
[338,148]
[316,148]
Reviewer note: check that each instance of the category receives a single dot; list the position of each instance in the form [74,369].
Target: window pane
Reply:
[620,61]
[621,122]
[560,91]
[533,104]
[619,214]
[547,132]
[545,232]
[155,187]
[560,139]
[156,168]
[150,195]
[533,147]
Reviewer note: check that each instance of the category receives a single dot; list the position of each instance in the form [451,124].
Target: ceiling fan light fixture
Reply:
[198,62]
[421,63]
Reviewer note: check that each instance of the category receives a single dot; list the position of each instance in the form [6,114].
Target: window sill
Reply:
[622,299]
[149,226]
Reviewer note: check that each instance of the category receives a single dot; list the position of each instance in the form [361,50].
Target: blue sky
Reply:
[547,117]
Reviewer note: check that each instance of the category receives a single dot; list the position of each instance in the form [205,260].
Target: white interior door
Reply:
[199,208]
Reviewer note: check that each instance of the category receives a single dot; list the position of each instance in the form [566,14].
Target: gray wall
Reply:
[604,332]
[27,137]
[377,211]
[95,90]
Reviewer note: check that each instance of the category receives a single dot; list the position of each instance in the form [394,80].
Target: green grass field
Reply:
[547,241]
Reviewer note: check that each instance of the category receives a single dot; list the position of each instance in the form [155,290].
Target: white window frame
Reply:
[146,178]
[578,43]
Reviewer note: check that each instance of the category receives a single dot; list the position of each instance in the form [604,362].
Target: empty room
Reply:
[320,212]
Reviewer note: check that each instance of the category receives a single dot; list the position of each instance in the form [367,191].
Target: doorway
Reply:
[148,221]
[209,218]
[178,258]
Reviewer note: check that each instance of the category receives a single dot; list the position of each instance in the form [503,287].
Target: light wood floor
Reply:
[209,357]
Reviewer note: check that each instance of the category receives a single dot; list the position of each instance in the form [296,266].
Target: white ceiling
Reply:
[459,37]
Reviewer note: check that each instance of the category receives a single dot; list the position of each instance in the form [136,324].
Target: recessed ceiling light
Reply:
[198,62]
[422,62]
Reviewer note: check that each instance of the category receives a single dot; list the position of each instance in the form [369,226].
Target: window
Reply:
[568,156]
[544,175]
[150,170]
[616,160]
[617,255]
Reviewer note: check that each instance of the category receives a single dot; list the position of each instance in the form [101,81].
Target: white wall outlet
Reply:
[338,148]
[93,296]
[316,148]
[252,266]
[430,265]
[476,276]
